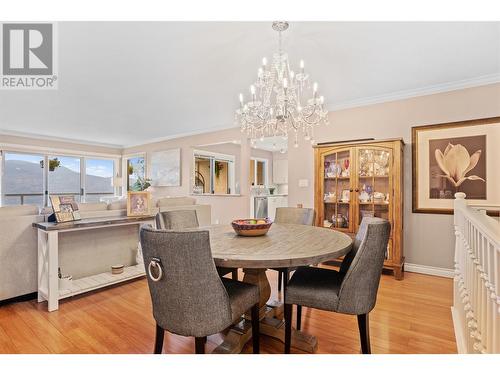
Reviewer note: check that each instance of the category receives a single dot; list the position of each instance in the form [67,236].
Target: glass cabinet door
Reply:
[337,190]
[374,184]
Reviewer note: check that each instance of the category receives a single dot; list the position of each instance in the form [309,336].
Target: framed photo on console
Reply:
[456,157]
[138,203]
[65,208]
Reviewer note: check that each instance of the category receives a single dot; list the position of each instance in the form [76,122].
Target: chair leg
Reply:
[199,344]
[364,333]
[255,329]
[160,333]
[286,276]
[280,279]
[288,327]
[299,317]
[234,274]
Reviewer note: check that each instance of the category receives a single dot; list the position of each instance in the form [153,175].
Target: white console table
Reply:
[48,259]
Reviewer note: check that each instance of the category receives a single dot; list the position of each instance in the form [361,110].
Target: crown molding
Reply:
[181,135]
[422,91]
[59,139]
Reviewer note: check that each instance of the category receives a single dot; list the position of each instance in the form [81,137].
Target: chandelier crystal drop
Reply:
[282,102]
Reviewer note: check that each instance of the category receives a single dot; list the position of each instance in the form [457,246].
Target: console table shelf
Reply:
[89,283]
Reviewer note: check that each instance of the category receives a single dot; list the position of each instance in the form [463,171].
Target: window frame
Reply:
[213,157]
[255,160]
[125,175]
[45,153]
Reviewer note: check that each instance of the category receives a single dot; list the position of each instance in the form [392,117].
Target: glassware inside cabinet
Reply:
[337,194]
[374,184]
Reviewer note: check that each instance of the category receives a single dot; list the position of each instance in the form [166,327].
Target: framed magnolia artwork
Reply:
[456,157]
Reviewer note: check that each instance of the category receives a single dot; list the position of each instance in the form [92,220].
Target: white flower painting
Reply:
[456,162]
[458,165]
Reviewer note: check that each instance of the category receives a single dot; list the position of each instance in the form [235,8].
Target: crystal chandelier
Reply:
[282,101]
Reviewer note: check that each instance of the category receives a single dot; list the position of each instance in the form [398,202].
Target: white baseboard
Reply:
[429,270]
[459,338]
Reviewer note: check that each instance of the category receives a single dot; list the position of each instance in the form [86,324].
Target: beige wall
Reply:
[224,208]
[428,239]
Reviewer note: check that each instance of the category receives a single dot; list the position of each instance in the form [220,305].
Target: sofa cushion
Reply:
[118,205]
[176,201]
[93,206]
[20,210]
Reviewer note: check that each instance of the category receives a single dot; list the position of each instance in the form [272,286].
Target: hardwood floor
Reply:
[411,316]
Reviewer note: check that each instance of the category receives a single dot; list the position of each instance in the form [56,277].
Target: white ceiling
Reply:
[272,144]
[124,83]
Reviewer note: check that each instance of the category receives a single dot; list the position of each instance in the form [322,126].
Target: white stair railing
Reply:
[476,303]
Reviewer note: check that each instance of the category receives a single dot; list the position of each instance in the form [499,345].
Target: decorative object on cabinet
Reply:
[166,168]
[330,198]
[455,157]
[346,196]
[368,183]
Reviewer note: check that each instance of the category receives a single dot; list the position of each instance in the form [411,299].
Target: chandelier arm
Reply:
[305,118]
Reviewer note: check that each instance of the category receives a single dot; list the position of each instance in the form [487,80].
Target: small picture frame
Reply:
[65,208]
[138,203]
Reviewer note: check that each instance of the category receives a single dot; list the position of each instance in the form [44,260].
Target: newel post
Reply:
[459,206]
[459,203]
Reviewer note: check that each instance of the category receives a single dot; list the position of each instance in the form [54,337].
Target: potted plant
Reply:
[218,168]
[141,184]
[53,164]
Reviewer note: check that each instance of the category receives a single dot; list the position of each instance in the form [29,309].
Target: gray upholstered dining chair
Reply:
[187,219]
[177,220]
[351,290]
[291,215]
[189,298]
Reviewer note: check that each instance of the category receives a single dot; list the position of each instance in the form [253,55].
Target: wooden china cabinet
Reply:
[358,179]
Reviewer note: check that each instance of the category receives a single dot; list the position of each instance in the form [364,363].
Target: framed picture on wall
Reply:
[166,168]
[456,157]
[138,203]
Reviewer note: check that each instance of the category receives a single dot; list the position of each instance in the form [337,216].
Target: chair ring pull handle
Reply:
[155,263]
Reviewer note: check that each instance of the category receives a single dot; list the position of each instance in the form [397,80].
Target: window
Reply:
[258,172]
[31,178]
[136,172]
[213,173]
[64,176]
[98,179]
[22,180]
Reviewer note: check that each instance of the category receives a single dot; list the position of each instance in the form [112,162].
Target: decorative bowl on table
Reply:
[251,227]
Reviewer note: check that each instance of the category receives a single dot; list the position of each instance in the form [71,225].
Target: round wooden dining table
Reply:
[284,246]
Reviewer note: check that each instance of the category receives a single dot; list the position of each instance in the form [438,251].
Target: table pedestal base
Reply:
[270,325]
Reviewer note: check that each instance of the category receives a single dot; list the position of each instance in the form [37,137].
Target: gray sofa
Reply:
[81,253]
